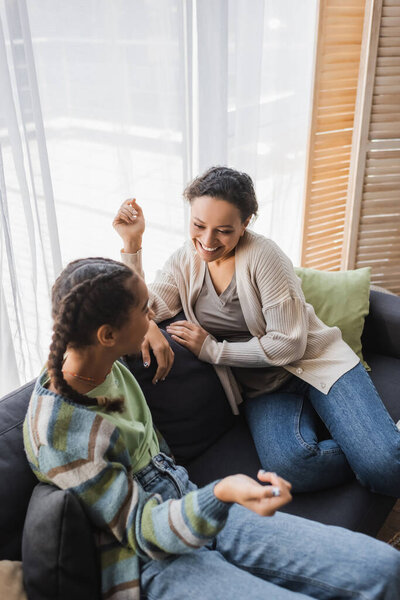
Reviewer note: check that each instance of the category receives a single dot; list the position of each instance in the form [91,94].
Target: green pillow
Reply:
[339,298]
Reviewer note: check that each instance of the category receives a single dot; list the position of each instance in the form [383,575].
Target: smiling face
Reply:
[215,228]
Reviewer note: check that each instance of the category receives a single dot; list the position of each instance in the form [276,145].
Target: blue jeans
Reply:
[360,436]
[278,558]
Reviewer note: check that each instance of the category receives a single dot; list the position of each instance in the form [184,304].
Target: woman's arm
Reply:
[284,342]
[130,225]
[164,297]
[284,313]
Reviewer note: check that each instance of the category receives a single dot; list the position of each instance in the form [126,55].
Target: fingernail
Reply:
[262,471]
[163,379]
[156,381]
[146,364]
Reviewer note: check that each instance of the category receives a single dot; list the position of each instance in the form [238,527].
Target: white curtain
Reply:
[29,247]
[136,98]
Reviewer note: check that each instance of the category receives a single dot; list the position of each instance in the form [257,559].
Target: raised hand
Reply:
[264,500]
[129,223]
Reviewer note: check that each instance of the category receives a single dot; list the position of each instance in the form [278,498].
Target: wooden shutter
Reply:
[337,60]
[372,235]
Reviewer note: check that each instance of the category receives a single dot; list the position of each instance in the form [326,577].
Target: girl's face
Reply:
[131,334]
[215,227]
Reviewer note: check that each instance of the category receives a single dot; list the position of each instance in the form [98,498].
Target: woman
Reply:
[247,315]
[88,429]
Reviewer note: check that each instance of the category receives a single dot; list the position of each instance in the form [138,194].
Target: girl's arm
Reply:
[89,458]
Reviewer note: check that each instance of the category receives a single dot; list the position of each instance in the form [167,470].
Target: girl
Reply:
[88,429]
[247,315]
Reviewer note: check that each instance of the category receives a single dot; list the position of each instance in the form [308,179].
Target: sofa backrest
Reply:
[17,479]
[381,333]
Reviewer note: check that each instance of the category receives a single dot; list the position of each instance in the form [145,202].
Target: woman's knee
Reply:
[381,475]
[307,470]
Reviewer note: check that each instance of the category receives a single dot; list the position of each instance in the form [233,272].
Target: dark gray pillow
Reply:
[190,407]
[59,555]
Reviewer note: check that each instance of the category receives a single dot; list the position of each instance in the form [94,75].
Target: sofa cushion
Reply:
[17,479]
[339,298]
[58,548]
[190,407]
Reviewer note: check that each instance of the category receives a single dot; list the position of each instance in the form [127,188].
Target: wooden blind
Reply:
[336,69]
[372,235]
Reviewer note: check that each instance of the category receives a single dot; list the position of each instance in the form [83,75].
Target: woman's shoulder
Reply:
[257,244]
[264,260]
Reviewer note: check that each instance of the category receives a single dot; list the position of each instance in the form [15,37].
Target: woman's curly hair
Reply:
[226,184]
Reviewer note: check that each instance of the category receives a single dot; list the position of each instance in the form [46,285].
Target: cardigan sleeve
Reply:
[285,315]
[284,342]
[164,296]
[115,501]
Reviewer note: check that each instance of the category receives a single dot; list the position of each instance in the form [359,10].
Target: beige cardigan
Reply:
[286,331]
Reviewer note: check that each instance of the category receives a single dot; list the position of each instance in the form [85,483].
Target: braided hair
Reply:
[87,294]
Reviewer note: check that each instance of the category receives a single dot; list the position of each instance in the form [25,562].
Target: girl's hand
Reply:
[129,223]
[261,499]
[155,341]
[188,334]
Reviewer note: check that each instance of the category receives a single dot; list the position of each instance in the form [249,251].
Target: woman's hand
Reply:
[188,334]
[264,500]
[163,353]
[129,223]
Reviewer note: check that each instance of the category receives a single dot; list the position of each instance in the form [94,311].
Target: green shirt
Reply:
[134,423]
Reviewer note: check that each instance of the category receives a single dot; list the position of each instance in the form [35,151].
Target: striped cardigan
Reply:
[286,331]
[77,449]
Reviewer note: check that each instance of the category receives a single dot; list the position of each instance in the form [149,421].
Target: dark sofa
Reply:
[47,528]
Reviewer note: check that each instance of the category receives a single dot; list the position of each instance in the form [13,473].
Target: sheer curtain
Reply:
[29,247]
[137,97]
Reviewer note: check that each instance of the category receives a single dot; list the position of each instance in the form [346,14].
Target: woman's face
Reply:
[215,227]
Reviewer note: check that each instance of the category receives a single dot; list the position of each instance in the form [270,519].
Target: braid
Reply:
[74,307]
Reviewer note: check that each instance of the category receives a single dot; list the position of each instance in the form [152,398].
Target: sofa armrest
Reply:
[381,333]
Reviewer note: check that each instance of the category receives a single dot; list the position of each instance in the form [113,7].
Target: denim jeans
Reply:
[278,558]
[361,437]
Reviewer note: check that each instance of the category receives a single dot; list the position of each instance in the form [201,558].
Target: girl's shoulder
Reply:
[51,413]
[59,429]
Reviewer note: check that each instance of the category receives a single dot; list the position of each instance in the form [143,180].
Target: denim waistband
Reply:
[160,463]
